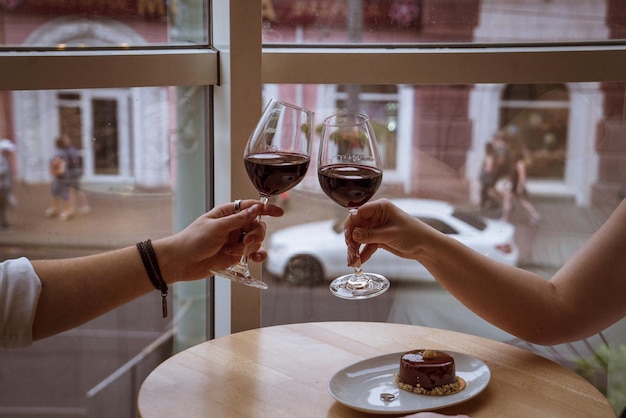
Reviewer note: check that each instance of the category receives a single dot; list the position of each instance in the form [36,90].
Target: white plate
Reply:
[359,386]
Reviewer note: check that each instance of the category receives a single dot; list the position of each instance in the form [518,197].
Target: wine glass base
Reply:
[345,288]
[240,276]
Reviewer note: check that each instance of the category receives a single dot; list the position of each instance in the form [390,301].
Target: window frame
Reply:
[458,65]
[41,70]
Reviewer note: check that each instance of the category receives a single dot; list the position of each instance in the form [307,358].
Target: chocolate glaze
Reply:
[426,372]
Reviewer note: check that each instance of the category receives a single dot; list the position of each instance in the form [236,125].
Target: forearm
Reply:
[74,291]
[486,286]
[584,296]
[77,290]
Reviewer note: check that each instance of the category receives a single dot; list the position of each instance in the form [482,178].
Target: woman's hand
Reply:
[215,240]
[381,224]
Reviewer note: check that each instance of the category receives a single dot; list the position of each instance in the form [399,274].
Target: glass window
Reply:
[129,148]
[571,132]
[140,153]
[132,152]
[94,23]
[461,71]
[436,22]
[438,149]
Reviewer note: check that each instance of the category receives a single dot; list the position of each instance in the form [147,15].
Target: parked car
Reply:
[311,253]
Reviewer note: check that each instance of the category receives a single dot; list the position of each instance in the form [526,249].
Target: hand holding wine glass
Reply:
[350,172]
[276,158]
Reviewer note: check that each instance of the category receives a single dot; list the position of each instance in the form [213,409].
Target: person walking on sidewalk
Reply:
[74,174]
[516,189]
[489,197]
[59,188]
[501,155]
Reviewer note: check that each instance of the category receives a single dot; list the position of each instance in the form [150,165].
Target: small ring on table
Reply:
[237,205]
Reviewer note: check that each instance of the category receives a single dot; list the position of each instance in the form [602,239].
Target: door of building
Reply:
[98,123]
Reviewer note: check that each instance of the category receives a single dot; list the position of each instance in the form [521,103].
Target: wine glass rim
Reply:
[363,116]
[287,104]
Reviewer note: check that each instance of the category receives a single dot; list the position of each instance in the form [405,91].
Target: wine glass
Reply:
[276,158]
[349,171]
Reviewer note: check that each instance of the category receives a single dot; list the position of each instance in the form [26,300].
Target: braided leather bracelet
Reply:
[151,264]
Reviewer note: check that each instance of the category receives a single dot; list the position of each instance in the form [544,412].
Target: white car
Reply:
[311,253]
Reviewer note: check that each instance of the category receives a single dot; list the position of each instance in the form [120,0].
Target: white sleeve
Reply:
[20,288]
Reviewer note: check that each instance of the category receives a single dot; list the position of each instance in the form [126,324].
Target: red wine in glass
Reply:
[275,173]
[350,185]
[349,172]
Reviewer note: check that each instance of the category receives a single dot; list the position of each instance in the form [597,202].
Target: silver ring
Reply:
[237,205]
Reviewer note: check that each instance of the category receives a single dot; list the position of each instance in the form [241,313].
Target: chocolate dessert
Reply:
[428,372]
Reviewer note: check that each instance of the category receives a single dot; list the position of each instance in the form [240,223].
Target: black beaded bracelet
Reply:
[151,264]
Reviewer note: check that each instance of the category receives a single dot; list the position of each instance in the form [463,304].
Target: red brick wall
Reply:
[610,140]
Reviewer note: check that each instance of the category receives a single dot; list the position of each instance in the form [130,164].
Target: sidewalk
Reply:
[118,217]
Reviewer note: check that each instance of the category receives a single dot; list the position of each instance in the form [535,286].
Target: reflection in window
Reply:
[380,103]
[534,117]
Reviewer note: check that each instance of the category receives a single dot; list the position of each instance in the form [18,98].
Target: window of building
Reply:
[535,117]
[380,103]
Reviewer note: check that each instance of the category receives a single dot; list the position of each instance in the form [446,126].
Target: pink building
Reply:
[428,132]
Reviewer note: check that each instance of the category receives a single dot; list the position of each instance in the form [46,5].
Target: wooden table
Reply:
[284,371]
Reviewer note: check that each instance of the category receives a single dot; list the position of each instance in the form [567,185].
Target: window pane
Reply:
[570,135]
[103,23]
[570,138]
[139,148]
[436,21]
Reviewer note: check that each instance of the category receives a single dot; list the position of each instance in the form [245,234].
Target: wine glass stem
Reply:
[358,279]
[264,200]
[358,270]
[246,251]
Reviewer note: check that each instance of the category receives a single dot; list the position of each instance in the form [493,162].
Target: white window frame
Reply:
[244,66]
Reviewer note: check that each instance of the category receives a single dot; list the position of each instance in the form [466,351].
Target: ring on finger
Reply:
[237,205]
